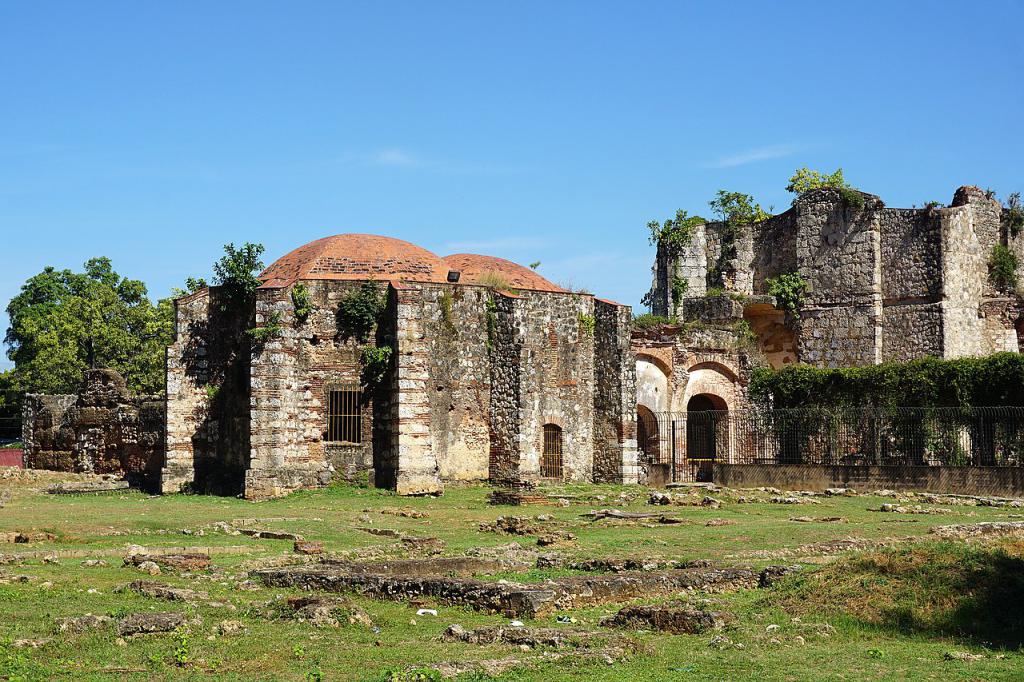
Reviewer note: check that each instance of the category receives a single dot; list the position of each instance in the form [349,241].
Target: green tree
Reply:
[805,179]
[64,322]
[737,209]
[675,233]
[237,271]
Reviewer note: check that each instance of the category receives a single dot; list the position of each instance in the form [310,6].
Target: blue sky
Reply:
[153,133]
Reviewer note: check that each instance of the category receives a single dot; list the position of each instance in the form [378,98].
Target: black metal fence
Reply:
[10,416]
[691,442]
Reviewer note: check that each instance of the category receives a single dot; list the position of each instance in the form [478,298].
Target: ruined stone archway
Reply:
[653,388]
[706,433]
[648,434]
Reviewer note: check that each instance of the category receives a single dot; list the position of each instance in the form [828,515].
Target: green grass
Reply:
[894,614]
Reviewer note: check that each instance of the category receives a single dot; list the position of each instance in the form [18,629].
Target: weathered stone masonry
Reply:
[882,284]
[102,429]
[476,372]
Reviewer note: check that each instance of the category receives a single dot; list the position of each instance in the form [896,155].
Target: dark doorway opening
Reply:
[706,426]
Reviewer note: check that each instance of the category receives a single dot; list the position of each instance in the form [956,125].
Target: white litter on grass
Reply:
[427,612]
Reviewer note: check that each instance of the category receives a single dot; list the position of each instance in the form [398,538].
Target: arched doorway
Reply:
[706,434]
[648,438]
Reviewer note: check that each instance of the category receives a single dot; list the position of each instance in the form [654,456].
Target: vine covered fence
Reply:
[693,442]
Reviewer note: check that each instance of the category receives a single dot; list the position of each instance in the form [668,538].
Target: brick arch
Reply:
[716,365]
[656,361]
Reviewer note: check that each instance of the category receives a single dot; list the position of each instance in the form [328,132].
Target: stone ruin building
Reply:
[882,284]
[101,429]
[494,373]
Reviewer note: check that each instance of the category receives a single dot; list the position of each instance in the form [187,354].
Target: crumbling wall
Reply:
[838,253]
[207,413]
[911,269]
[101,430]
[505,351]
[556,379]
[615,446]
[455,324]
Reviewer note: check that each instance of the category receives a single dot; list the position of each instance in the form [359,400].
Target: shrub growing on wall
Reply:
[675,233]
[788,290]
[1002,268]
[929,382]
[360,309]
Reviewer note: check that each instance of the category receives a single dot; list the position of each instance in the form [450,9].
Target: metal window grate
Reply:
[345,416]
[551,462]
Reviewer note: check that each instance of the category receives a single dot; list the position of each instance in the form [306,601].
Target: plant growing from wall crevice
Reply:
[445,302]
[676,233]
[360,309]
[1015,214]
[268,330]
[491,316]
[679,287]
[587,323]
[805,180]
[1002,268]
[788,290]
[301,301]
[376,361]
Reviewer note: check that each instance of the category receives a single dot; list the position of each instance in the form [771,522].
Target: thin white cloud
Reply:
[394,157]
[777,151]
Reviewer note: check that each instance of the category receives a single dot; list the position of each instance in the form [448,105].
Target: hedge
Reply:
[996,380]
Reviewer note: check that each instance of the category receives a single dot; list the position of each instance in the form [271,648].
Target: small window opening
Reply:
[345,415]
[551,461]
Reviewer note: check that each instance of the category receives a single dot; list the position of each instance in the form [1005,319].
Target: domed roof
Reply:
[474,268]
[356,256]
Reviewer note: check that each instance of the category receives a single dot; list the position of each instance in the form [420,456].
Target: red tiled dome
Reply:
[356,256]
[473,267]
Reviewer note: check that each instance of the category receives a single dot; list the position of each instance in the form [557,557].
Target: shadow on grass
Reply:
[942,589]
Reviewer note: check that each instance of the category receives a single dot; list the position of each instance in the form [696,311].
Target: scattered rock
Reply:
[83,623]
[309,547]
[557,537]
[713,523]
[667,618]
[156,590]
[230,627]
[94,563]
[986,528]
[181,562]
[150,623]
[510,525]
[30,643]
[845,492]
[771,574]
[962,656]
[149,567]
[269,534]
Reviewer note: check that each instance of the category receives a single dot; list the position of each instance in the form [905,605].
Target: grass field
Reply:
[892,614]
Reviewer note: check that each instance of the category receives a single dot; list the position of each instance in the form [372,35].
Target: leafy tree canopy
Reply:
[65,322]
[736,208]
[237,271]
[805,180]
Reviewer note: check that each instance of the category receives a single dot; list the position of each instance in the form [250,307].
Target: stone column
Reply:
[418,473]
[615,451]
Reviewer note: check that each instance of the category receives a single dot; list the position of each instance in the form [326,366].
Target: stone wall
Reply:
[102,429]
[1003,481]
[882,284]
[207,415]
[615,454]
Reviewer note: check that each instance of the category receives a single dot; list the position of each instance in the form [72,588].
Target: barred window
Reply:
[345,415]
[551,462]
